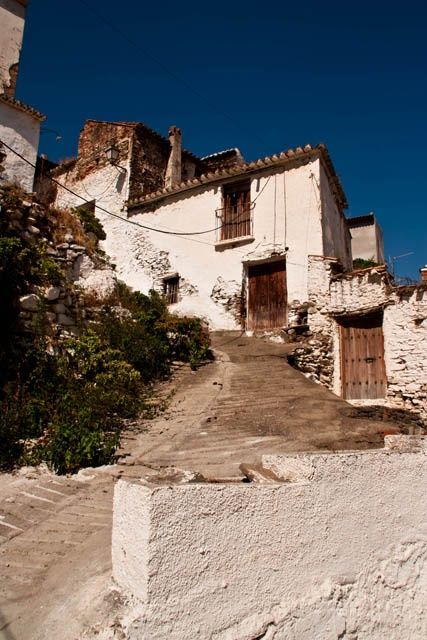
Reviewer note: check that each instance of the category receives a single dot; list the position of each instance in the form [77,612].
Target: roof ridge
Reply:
[220,153]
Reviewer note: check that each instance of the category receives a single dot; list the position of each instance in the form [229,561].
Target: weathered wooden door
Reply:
[362,358]
[267,296]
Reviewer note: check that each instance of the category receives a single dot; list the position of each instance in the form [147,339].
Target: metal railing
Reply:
[234,221]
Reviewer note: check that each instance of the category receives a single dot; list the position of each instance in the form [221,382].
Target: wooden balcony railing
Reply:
[234,221]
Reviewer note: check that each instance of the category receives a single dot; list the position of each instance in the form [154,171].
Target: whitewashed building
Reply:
[220,237]
[254,246]
[19,123]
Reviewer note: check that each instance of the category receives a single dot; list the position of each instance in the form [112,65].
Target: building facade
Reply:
[19,123]
[219,237]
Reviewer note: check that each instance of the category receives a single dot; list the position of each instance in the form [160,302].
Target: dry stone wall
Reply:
[60,304]
[405,344]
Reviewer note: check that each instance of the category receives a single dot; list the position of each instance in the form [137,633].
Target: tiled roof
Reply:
[275,160]
[13,102]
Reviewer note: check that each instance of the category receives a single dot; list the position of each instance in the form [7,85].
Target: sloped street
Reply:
[55,531]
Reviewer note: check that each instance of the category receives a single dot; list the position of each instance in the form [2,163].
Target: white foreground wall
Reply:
[21,131]
[338,551]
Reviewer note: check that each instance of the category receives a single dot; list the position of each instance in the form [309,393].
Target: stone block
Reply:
[65,320]
[30,302]
[52,293]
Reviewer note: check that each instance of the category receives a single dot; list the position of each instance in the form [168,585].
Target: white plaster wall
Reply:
[287,213]
[199,263]
[12,21]
[142,256]
[336,236]
[364,242]
[20,131]
[338,551]
[367,243]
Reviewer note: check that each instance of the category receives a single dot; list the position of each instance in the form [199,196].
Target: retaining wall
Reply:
[337,551]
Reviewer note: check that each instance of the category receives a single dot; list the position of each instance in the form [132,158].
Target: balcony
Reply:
[234,223]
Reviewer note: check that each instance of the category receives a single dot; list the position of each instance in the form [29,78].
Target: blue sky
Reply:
[260,76]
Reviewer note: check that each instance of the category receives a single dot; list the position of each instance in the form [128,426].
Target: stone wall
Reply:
[405,345]
[59,235]
[336,295]
[338,550]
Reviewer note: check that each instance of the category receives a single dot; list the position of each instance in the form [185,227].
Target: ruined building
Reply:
[256,246]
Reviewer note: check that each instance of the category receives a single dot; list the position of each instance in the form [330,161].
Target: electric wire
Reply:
[110,213]
[170,72]
[165,231]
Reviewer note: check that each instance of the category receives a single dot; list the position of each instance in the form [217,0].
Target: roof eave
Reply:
[249,168]
[21,106]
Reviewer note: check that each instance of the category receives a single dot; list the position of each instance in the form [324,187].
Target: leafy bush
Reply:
[47,405]
[64,402]
[188,340]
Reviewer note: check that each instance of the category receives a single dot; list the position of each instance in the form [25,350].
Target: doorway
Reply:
[267,295]
[363,372]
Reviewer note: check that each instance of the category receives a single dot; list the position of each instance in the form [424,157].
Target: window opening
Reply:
[170,289]
[235,215]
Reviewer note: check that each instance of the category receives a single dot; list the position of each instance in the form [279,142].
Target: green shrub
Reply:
[361,263]
[90,222]
[72,403]
[64,403]
[188,340]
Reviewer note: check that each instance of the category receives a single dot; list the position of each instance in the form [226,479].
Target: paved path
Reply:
[55,531]
[250,402]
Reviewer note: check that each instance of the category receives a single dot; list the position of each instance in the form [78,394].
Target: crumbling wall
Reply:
[338,550]
[333,296]
[405,345]
[149,160]
[95,138]
[61,305]
[19,130]
[230,294]
[12,22]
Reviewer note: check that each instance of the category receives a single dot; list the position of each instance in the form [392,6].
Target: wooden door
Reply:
[362,358]
[267,296]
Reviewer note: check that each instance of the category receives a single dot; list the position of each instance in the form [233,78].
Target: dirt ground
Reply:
[55,531]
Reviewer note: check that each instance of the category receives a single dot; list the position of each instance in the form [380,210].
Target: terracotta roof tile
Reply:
[248,167]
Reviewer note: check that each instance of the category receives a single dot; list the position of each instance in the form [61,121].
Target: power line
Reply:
[110,213]
[170,72]
[133,222]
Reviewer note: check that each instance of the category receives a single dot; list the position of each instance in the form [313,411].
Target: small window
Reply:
[170,289]
[236,212]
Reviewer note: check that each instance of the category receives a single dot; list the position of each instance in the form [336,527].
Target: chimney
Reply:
[173,170]
[423,272]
